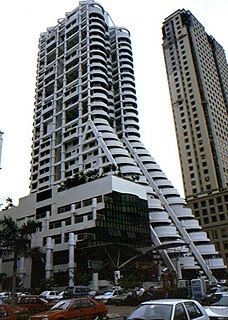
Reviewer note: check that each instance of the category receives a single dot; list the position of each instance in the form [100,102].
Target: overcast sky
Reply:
[21,24]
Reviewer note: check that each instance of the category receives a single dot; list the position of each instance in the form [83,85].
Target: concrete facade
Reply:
[90,173]
[197,74]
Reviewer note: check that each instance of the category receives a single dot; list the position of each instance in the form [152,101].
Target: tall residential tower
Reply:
[197,74]
[90,174]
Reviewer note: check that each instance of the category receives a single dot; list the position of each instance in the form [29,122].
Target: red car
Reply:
[30,305]
[80,308]
[6,312]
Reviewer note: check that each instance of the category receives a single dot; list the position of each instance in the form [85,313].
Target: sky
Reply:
[21,24]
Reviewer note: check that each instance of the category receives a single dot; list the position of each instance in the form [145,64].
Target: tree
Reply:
[15,241]
[9,204]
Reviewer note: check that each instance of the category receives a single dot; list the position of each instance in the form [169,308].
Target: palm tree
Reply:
[16,241]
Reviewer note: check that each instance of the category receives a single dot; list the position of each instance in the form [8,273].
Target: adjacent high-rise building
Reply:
[92,180]
[197,75]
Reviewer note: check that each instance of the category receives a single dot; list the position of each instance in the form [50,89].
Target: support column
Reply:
[95,281]
[94,208]
[159,270]
[71,264]
[116,277]
[49,258]
[21,271]
[179,272]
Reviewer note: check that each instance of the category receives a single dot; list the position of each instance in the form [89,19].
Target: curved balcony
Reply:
[97,57]
[101,121]
[190,224]
[98,79]
[147,158]
[166,231]
[99,95]
[159,216]
[150,165]
[118,151]
[140,150]
[104,128]
[113,143]
[129,120]
[98,66]
[129,169]
[96,24]
[132,131]
[124,160]
[207,249]
[176,200]
[169,191]
[164,183]
[198,236]
[132,113]
[156,175]
[183,212]
[100,113]
[187,262]
[215,263]
[99,73]
[108,135]
[98,105]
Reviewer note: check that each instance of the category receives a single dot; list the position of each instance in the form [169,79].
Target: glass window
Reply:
[180,313]
[77,304]
[87,303]
[193,310]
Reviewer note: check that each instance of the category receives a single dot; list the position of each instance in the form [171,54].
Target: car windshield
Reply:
[152,312]
[218,300]
[61,305]
[107,293]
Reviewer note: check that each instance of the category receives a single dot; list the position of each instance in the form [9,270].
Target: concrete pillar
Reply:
[179,272]
[95,281]
[159,270]
[71,264]
[49,258]
[94,208]
[116,277]
[46,221]
[21,271]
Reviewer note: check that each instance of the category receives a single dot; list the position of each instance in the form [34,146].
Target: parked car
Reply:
[169,309]
[30,305]
[49,295]
[128,298]
[104,298]
[5,295]
[75,308]
[75,292]
[6,312]
[60,295]
[217,306]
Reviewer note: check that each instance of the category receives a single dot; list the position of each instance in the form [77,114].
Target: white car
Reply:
[217,307]
[49,295]
[169,309]
[5,295]
[108,295]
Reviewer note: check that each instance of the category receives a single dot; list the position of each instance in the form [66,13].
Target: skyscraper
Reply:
[197,74]
[90,174]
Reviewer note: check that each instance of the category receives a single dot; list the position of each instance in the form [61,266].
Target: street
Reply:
[117,312]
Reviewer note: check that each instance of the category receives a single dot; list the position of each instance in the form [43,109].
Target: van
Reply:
[75,292]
